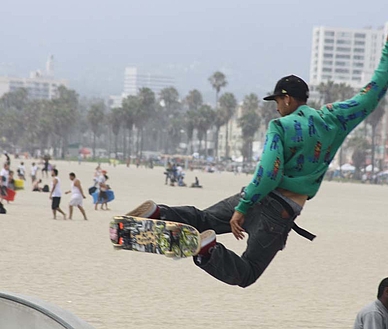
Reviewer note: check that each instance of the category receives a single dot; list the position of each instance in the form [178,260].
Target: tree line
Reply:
[155,122]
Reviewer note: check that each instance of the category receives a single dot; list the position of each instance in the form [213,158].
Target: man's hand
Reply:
[51,197]
[236,224]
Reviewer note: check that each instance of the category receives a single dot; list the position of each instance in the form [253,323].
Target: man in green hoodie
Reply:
[298,149]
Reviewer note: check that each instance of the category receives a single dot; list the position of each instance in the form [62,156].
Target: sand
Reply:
[320,284]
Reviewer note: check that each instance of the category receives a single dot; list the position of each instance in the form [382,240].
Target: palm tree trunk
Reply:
[124,144]
[116,142]
[373,148]
[141,142]
[216,142]
[206,150]
[137,141]
[129,142]
[227,140]
[94,146]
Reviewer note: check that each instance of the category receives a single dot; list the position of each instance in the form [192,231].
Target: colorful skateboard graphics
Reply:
[154,236]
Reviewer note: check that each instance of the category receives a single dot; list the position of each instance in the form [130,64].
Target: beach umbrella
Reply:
[347,167]
[84,151]
[369,168]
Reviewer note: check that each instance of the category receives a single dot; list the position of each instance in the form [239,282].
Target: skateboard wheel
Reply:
[171,227]
[169,254]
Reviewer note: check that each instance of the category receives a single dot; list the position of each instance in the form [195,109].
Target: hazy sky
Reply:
[253,42]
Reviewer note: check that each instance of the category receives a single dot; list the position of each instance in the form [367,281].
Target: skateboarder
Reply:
[298,150]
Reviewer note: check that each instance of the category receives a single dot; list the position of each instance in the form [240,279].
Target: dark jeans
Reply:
[267,223]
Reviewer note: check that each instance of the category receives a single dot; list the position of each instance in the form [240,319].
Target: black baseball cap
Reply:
[292,86]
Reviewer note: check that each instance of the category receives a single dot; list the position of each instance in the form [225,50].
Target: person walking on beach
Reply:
[77,196]
[56,194]
[34,170]
[8,159]
[375,314]
[299,147]
[46,165]
[102,188]
[4,176]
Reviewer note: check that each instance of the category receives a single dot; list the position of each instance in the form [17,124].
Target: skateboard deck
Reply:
[154,236]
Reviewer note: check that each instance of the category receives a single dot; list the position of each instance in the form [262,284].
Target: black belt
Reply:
[306,234]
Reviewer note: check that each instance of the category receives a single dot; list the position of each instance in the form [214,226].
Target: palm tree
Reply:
[130,106]
[170,106]
[194,100]
[344,91]
[218,81]
[95,117]
[228,104]
[206,116]
[268,110]
[249,123]
[373,120]
[360,145]
[328,92]
[65,109]
[145,111]
[115,120]
[170,98]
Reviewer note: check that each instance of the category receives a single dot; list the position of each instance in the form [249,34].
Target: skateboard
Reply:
[174,240]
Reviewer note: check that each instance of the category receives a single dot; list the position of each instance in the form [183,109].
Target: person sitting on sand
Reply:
[196,183]
[36,187]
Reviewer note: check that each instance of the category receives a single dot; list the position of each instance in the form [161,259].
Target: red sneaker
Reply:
[208,242]
[148,209]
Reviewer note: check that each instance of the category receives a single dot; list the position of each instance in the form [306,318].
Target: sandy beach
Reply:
[320,284]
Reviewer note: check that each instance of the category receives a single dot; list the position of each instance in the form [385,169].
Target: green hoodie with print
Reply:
[300,146]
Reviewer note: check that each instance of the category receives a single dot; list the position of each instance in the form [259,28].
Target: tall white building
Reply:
[134,79]
[345,55]
[40,85]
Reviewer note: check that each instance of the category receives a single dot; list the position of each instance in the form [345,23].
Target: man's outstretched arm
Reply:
[353,111]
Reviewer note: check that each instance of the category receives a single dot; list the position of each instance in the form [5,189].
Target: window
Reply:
[340,56]
[359,43]
[343,42]
[359,35]
[344,49]
[327,62]
[326,77]
[329,40]
[358,50]
[326,55]
[357,71]
[326,69]
[341,71]
[328,48]
[344,34]
[358,64]
[329,33]
[356,79]
[358,57]
[340,63]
